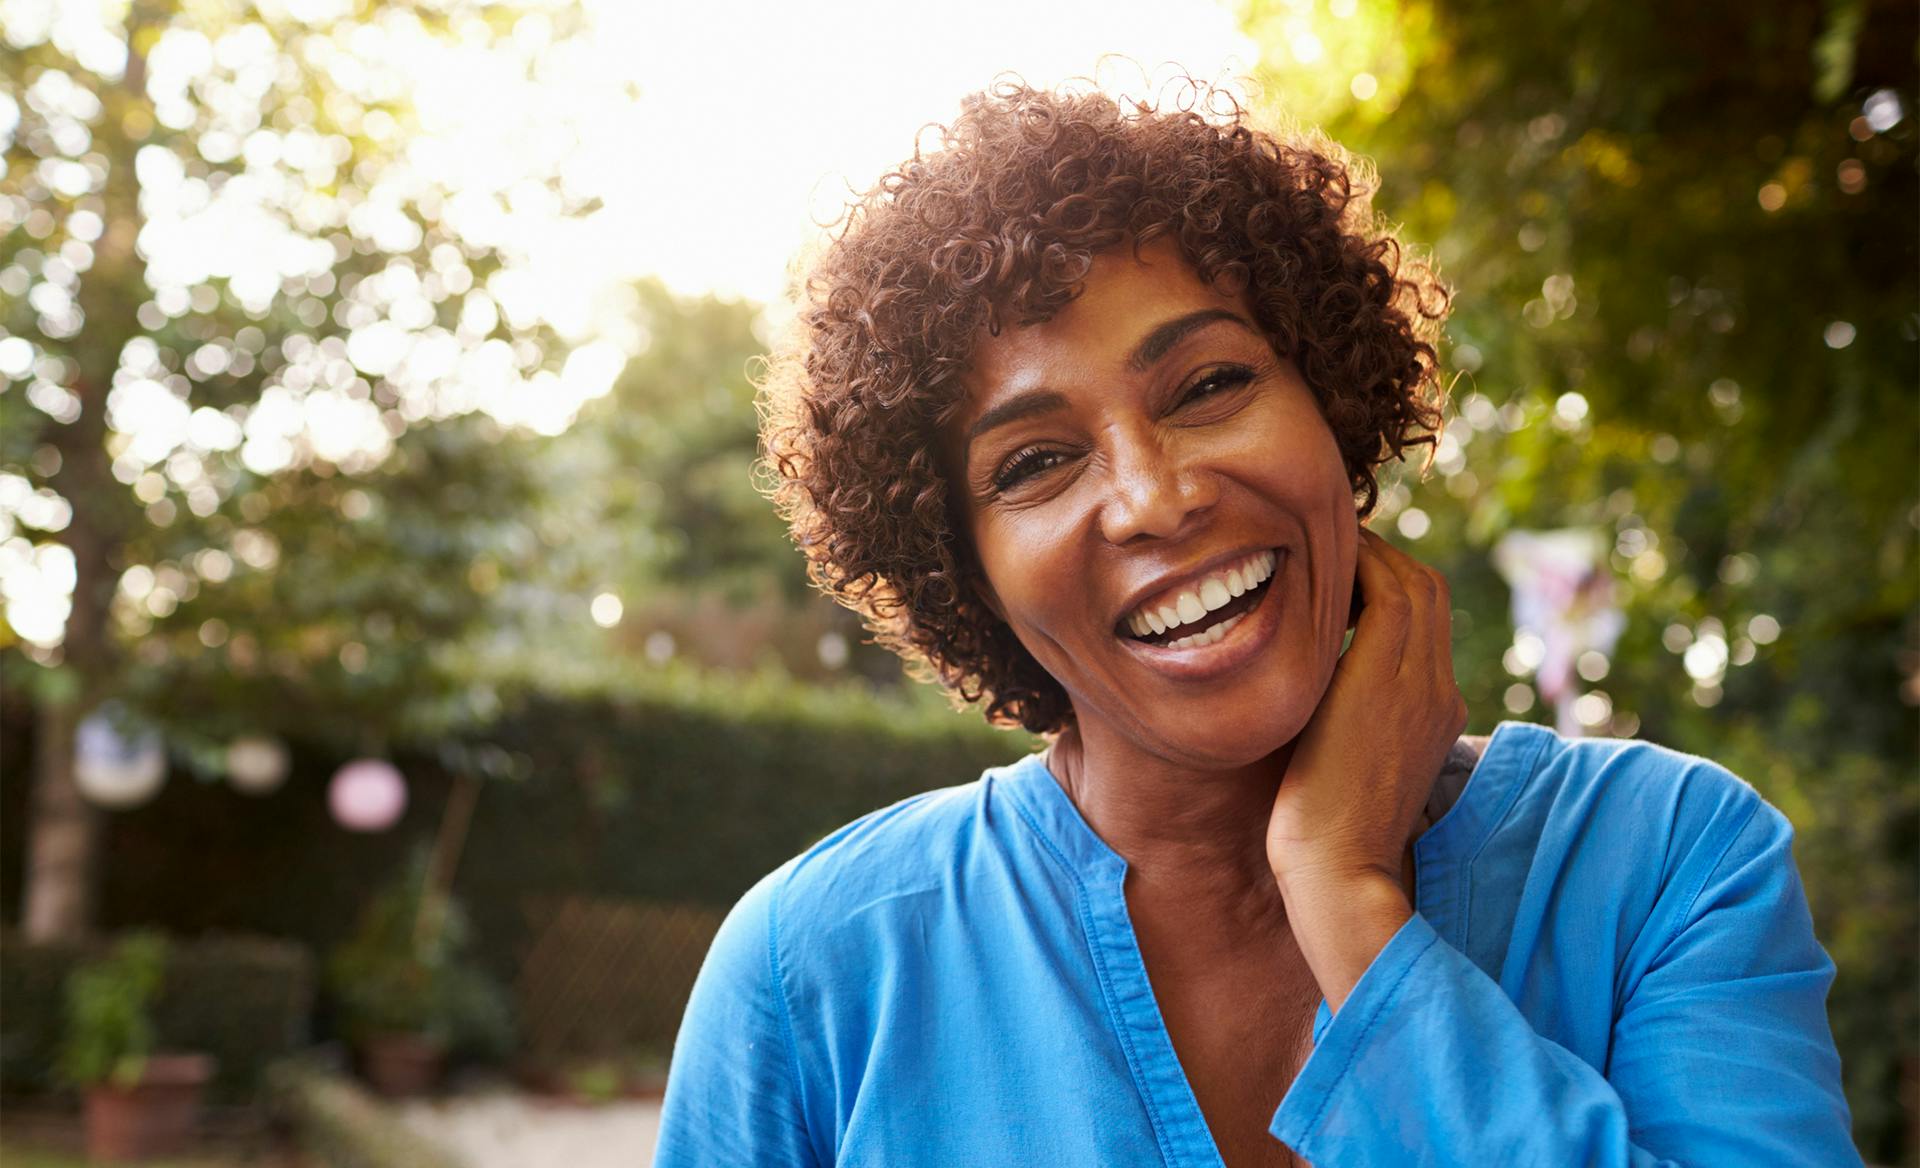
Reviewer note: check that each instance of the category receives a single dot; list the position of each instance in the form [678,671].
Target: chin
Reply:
[1226,739]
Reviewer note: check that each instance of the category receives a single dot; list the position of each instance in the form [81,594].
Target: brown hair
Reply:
[998,227]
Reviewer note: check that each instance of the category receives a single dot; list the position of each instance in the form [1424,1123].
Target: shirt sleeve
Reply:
[1721,1054]
[733,1090]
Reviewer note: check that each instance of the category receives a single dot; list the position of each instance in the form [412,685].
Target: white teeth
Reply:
[1190,608]
[1214,592]
[1211,636]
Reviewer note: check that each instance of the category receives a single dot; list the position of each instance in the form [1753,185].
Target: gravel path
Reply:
[504,1129]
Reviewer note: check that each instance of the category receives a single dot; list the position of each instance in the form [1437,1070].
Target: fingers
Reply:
[1414,600]
[1387,609]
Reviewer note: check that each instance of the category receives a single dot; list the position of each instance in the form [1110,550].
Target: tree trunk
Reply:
[63,829]
[65,833]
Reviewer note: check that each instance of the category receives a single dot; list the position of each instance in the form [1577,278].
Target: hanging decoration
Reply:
[117,765]
[1563,596]
[367,794]
[257,764]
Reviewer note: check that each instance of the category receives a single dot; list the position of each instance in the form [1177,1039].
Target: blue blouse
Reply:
[1610,963]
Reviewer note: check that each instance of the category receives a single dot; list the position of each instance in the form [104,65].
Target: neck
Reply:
[1194,840]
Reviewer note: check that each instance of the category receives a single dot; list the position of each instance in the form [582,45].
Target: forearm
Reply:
[1342,924]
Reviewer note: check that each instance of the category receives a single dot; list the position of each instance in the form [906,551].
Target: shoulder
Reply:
[1531,784]
[1656,788]
[1598,852]
[1628,821]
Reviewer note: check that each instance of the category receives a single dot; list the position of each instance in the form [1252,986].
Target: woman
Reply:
[1083,416]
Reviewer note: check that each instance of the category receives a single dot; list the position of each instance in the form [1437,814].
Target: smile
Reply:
[1202,611]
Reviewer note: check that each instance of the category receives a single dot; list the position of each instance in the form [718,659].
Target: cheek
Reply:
[1032,583]
[1296,464]
[1004,570]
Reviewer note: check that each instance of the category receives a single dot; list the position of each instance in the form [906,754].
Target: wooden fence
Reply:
[607,978]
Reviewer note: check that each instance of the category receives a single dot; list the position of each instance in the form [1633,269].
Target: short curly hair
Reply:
[999,226]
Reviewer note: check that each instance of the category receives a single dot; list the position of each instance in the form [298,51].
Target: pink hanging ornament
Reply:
[367,794]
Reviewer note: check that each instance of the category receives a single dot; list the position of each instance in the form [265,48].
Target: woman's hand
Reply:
[1365,764]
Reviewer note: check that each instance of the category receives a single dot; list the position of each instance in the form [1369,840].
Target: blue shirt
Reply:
[1610,963]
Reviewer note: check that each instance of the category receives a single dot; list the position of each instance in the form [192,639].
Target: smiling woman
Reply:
[1000,229]
[1172,448]
[1083,415]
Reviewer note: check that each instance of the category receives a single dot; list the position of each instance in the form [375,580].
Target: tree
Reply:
[261,361]
[1685,254]
[661,545]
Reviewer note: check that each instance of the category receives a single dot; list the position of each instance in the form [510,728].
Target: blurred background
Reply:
[400,676]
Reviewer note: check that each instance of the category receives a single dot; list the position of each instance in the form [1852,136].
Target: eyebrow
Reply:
[1024,405]
[1151,348]
[1164,337]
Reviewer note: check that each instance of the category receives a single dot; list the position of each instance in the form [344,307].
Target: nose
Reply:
[1153,492]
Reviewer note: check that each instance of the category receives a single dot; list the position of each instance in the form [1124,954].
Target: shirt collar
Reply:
[1463,813]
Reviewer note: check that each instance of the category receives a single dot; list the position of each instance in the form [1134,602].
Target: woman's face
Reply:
[1145,455]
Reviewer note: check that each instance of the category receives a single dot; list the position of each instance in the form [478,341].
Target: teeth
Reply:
[1214,592]
[1190,608]
[1209,637]
[1258,568]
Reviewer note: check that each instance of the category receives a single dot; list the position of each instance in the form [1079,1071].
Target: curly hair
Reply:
[998,226]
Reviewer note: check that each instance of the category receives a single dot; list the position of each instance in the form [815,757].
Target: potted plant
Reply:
[140,1103]
[406,992]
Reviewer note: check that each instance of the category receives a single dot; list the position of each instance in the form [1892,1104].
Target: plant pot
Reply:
[400,1065]
[154,1117]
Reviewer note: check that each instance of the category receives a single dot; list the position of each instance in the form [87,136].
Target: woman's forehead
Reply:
[1126,297]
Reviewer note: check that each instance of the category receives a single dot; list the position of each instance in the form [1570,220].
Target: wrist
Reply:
[1336,880]
[1342,924]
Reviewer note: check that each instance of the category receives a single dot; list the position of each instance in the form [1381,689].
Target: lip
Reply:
[1167,580]
[1241,644]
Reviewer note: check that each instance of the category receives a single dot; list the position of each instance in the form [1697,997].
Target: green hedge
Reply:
[669,786]
[245,1000]
[691,794]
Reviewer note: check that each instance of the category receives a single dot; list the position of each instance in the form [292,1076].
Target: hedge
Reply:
[671,788]
[245,1000]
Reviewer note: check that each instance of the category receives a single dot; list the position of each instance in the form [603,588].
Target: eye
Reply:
[1025,464]
[1217,381]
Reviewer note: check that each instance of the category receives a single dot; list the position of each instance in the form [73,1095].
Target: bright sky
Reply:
[752,116]
[710,137]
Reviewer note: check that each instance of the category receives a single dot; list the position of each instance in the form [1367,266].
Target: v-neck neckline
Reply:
[1099,873]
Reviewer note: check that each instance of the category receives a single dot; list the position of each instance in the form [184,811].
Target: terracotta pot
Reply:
[399,1065]
[152,1118]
